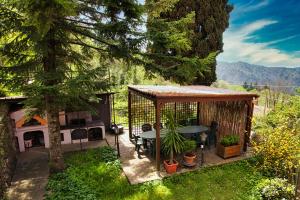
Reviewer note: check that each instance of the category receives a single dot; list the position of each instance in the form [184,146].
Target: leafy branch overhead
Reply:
[188,29]
[58,52]
[82,33]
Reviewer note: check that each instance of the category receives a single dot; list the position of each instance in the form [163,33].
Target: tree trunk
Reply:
[171,156]
[56,156]
[52,102]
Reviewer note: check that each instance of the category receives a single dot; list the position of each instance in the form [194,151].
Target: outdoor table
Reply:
[152,134]
[184,130]
[192,129]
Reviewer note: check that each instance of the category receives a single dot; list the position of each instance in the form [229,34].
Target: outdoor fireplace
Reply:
[94,134]
[78,134]
[34,139]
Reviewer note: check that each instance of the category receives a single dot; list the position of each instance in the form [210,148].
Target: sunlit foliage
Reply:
[278,146]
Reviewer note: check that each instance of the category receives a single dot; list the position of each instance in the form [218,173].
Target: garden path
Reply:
[32,171]
[31,175]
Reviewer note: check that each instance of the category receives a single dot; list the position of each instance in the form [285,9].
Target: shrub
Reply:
[230,140]
[189,145]
[274,189]
[277,153]
[279,139]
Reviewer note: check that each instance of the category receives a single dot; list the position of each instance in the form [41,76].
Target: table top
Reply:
[184,129]
[152,134]
[192,129]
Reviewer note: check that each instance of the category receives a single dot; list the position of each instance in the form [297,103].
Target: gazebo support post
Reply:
[175,111]
[198,113]
[129,115]
[158,106]
[250,107]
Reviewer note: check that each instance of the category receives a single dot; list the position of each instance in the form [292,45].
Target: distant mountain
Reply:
[240,72]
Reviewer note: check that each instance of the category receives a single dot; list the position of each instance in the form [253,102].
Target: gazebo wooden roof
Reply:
[161,95]
[199,92]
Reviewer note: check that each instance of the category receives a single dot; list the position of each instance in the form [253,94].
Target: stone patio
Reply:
[139,170]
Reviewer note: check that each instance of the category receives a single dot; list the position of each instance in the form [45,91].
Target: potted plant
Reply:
[229,146]
[189,157]
[172,143]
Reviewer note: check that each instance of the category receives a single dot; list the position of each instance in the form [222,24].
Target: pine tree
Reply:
[250,86]
[47,51]
[196,26]
[245,85]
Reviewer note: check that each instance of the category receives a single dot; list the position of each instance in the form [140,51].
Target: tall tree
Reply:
[47,50]
[197,26]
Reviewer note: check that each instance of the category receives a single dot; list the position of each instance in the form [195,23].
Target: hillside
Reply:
[238,73]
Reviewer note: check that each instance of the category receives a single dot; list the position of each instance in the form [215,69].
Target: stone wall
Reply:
[7,150]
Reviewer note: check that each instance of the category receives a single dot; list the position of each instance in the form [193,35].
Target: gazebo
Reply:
[232,110]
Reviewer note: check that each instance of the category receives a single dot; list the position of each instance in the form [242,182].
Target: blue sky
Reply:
[263,32]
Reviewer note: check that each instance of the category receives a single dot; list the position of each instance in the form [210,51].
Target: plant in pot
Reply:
[229,146]
[189,157]
[173,143]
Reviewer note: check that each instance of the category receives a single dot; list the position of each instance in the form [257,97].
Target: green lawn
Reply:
[96,174]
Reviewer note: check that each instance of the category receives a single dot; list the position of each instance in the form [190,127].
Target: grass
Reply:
[96,174]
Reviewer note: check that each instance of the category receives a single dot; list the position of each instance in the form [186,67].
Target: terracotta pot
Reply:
[170,168]
[189,158]
[227,152]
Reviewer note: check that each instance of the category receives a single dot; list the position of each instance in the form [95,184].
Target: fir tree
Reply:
[245,85]
[47,50]
[250,87]
[188,28]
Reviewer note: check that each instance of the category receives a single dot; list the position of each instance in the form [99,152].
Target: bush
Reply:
[189,145]
[274,189]
[279,139]
[277,153]
[230,140]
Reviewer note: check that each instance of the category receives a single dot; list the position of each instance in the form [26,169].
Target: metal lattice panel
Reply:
[143,112]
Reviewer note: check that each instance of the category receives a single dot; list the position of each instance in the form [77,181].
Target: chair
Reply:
[183,122]
[161,126]
[193,121]
[138,143]
[146,127]
[212,134]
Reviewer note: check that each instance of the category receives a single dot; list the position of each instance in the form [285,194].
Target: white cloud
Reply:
[255,26]
[251,6]
[238,48]
[282,39]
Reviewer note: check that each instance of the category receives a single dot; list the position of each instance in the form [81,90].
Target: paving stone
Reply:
[139,170]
